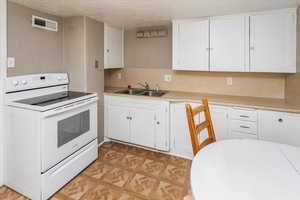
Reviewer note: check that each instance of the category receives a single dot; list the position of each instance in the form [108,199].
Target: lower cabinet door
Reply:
[219,116]
[180,131]
[118,123]
[142,127]
[279,127]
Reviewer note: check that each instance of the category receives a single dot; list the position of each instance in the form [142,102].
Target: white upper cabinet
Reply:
[273,41]
[250,42]
[228,43]
[191,45]
[113,47]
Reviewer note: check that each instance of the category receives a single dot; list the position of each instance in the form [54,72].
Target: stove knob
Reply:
[24,82]
[15,83]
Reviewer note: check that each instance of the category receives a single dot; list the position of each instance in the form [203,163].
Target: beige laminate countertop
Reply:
[225,100]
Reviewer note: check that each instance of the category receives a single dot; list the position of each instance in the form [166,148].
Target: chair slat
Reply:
[202,126]
[206,142]
[198,110]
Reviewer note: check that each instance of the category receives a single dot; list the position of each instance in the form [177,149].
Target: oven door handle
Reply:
[70,107]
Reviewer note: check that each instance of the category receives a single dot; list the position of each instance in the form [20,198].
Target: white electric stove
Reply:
[51,133]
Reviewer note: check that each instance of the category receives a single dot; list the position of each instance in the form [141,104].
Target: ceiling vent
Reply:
[43,23]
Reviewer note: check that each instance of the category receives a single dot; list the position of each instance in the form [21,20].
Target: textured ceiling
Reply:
[136,13]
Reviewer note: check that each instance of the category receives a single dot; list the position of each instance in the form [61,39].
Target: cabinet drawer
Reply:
[244,127]
[243,114]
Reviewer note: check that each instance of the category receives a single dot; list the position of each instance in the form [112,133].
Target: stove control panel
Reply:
[34,81]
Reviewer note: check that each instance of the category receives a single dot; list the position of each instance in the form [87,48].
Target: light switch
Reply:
[11,62]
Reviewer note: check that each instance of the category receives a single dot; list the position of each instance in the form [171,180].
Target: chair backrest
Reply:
[195,129]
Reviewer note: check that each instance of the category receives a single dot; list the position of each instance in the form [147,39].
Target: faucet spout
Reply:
[146,85]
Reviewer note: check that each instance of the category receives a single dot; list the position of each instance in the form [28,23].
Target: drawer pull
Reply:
[244,116]
[242,126]
[280,120]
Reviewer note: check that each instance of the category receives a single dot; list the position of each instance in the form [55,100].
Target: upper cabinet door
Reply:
[191,45]
[228,35]
[113,47]
[273,41]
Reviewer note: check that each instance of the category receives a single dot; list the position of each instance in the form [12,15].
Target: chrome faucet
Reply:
[146,85]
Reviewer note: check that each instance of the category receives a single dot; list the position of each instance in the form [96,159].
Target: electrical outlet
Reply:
[168,78]
[11,63]
[119,76]
[229,81]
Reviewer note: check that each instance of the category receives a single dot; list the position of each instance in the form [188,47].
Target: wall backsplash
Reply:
[244,84]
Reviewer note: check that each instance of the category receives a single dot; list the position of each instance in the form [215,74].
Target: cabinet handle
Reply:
[157,123]
[242,126]
[107,50]
[244,116]
[280,120]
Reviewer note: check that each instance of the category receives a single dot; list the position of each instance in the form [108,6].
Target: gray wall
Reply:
[73,48]
[35,50]
[94,43]
[147,52]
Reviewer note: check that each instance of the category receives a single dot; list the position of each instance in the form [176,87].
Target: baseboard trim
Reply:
[105,140]
[147,148]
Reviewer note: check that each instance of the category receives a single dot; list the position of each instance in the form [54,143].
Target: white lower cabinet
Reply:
[163,126]
[138,121]
[180,136]
[279,127]
[118,123]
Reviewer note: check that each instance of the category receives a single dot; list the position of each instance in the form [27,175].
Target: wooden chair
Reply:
[195,129]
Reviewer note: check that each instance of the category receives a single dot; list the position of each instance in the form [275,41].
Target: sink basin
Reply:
[132,91]
[152,93]
[135,91]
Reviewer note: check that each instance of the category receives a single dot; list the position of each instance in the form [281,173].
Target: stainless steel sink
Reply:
[143,92]
[132,91]
[153,93]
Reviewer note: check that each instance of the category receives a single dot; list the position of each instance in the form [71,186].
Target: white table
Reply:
[246,170]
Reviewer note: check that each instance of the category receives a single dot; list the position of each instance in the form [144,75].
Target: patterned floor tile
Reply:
[125,172]
[97,170]
[180,162]
[152,167]
[167,191]
[77,187]
[120,147]
[102,191]
[118,177]
[113,157]
[158,156]
[131,161]
[138,151]
[175,174]
[142,185]
[8,194]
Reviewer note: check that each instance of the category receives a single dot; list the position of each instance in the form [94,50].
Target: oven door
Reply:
[67,129]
